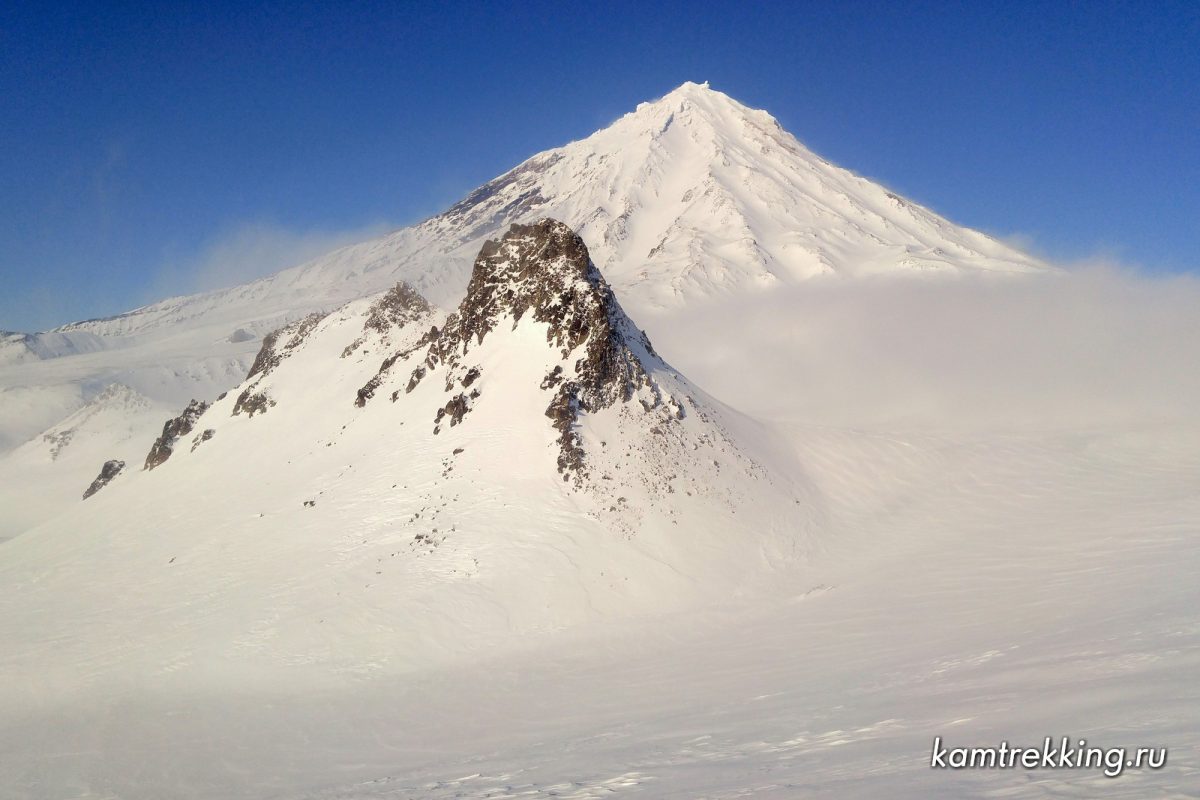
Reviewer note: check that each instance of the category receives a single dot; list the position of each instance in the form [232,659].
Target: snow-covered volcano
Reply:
[391,485]
[688,198]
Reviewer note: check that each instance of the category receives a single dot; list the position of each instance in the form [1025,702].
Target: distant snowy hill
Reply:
[20,348]
[688,198]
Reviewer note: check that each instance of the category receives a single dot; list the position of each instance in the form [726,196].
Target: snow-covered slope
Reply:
[391,487]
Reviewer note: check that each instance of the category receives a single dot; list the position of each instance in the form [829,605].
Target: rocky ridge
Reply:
[399,306]
[541,271]
[276,346]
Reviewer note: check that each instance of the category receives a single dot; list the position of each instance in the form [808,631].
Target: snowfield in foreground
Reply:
[1008,588]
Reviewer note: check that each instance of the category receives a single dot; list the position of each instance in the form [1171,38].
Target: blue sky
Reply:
[147,150]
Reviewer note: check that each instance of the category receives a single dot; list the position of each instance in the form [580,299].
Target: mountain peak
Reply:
[697,92]
[695,196]
[701,106]
[691,88]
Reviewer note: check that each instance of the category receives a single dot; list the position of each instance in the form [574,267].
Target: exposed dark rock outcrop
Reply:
[553,378]
[414,379]
[202,438]
[368,389]
[399,306]
[267,358]
[109,471]
[276,346]
[544,271]
[279,344]
[250,402]
[175,429]
[455,410]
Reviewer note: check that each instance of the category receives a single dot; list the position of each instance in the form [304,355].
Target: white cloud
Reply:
[1092,346]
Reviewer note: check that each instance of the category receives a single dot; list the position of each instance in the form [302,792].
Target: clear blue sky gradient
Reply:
[135,138]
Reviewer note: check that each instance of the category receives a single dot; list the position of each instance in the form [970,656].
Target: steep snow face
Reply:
[526,464]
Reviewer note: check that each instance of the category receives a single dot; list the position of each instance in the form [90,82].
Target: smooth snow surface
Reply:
[1003,589]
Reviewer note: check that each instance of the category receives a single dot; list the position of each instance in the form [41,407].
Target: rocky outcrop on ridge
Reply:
[276,346]
[399,306]
[541,271]
[110,470]
[174,430]
[279,344]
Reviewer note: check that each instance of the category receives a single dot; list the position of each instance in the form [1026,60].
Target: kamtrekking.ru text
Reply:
[1051,755]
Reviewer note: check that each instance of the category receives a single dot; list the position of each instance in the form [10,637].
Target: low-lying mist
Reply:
[1089,347]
